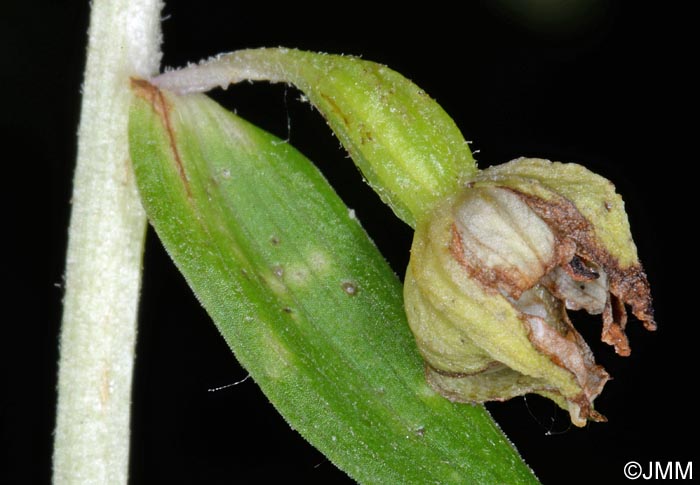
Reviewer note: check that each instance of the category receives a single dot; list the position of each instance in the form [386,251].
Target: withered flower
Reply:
[493,272]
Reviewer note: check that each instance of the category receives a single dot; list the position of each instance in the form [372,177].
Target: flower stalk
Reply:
[105,246]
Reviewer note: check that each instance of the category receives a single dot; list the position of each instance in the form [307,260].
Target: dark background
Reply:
[602,85]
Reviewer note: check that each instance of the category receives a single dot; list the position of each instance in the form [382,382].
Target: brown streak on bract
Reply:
[334,106]
[365,135]
[162,108]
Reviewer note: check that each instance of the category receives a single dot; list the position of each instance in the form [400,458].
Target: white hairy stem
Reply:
[105,246]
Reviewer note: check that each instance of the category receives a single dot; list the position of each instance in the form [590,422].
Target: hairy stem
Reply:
[105,246]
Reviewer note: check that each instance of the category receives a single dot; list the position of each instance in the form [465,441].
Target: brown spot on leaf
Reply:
[349,288]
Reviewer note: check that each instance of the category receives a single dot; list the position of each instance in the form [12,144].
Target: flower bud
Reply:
[494,270]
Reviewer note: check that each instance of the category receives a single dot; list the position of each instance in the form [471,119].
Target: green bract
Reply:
[303,297]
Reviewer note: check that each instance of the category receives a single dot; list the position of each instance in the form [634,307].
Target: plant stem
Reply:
[105,247]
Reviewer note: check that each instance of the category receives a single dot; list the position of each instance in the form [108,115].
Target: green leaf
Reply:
[408,149]
[303,297]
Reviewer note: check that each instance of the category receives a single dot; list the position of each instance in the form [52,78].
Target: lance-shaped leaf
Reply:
[303,297]
[407,147]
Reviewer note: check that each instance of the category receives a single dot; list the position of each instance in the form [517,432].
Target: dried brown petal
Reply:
[492,275]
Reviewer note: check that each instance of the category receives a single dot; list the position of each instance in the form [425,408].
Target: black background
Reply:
[605,88]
